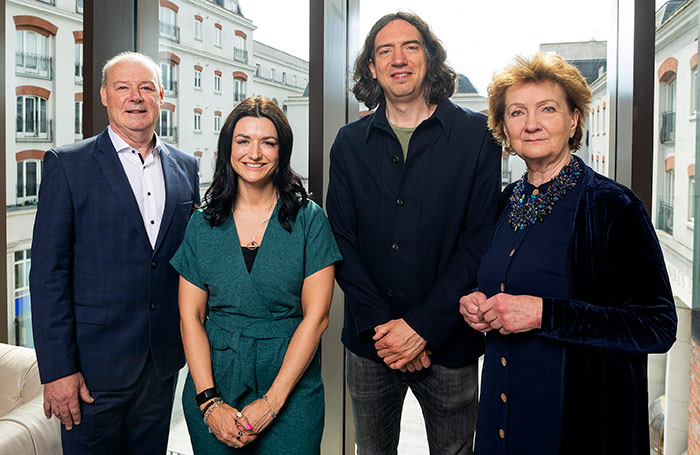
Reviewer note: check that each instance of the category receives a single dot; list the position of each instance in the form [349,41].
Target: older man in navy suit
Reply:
[112,211]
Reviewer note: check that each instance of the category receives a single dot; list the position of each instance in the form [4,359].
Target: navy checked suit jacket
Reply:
[102,297]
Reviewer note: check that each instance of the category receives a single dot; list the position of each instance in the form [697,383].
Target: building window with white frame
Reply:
[238,90]
[257,69]
[32,55]
[240,54]
[168,72]
[272,74]
[217,82]
[28,180]
[198,121]
[32,118]
[198,79]
[79,6]
[166,128]
[668,116]
[197,28]
[78,65]
[78,130]
[691,198]
[168,24]
[693,93]
[217,35]
[217,122]
[22,300]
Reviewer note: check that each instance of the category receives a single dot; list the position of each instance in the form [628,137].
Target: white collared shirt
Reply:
[146,180]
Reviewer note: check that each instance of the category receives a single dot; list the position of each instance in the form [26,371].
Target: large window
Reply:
[166,126]
[22,301]
[198,27]
[78,129]
[28,180]
[217,82]
[169,72]
[240,54]
[197,78]
[32,55]
[168,24]
[78,63]
[238,90]
[32,118]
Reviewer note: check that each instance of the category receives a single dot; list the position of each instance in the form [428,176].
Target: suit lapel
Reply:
[106,157]
[171,191]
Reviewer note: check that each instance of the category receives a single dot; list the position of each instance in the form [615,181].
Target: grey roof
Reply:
[667,9]
[231,5]
[464,85]
[590,69]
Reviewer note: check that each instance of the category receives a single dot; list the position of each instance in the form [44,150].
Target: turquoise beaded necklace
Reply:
[526,211]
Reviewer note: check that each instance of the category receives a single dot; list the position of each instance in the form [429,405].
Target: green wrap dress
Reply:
[251,318]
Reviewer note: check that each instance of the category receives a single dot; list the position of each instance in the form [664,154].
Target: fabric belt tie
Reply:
[242,342]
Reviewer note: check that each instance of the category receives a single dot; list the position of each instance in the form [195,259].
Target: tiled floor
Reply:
[412,441]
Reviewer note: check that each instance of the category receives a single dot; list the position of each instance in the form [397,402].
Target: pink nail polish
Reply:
[247,425]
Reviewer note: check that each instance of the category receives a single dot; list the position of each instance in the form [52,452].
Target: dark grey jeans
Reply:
[447,396]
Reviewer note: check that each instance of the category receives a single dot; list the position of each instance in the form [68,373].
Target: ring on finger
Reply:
[238,415]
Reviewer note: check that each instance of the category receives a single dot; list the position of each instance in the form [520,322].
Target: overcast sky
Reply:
[480,36]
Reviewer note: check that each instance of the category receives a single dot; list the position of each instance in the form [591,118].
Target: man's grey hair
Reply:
[132,57]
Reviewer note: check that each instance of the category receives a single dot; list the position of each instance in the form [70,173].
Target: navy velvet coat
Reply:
[621,308]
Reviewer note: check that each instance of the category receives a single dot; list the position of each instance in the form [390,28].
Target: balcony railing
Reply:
[170,31]
[240,55]
[170,88]
[78,66]
[33,65]
[664,220]
[43,132]
[668,127]
[168,134]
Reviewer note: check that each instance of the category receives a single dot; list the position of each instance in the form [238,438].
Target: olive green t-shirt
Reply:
[404,136]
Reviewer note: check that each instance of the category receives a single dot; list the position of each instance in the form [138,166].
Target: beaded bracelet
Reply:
[272,413]
[217,403]
[209,405]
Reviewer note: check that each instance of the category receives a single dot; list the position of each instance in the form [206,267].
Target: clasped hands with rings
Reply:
[231,427]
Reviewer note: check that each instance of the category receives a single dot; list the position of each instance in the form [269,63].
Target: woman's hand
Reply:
[229,428]
[259,415]
[512,313]
[469,307]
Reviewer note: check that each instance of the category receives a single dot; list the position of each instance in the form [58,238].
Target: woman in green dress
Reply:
[256,283]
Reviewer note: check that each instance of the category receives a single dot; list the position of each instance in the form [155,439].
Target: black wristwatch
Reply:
[206,395]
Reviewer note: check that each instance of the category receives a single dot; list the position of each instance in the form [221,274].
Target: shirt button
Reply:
[153,222]
[502,433]
[503,287]
[395,159]
[400,201]
[395,247]
[535,192]
[389,293]
[149,193]
[154,265]
[503,361]
[512,252]
[503,397]
[153,306]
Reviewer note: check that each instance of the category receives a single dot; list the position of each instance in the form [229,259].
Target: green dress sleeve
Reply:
[320,249]
[185,258]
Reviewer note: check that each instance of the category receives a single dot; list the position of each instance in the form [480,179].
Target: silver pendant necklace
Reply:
[252,243]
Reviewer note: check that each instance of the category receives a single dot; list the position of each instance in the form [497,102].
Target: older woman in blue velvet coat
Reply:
[573,291]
